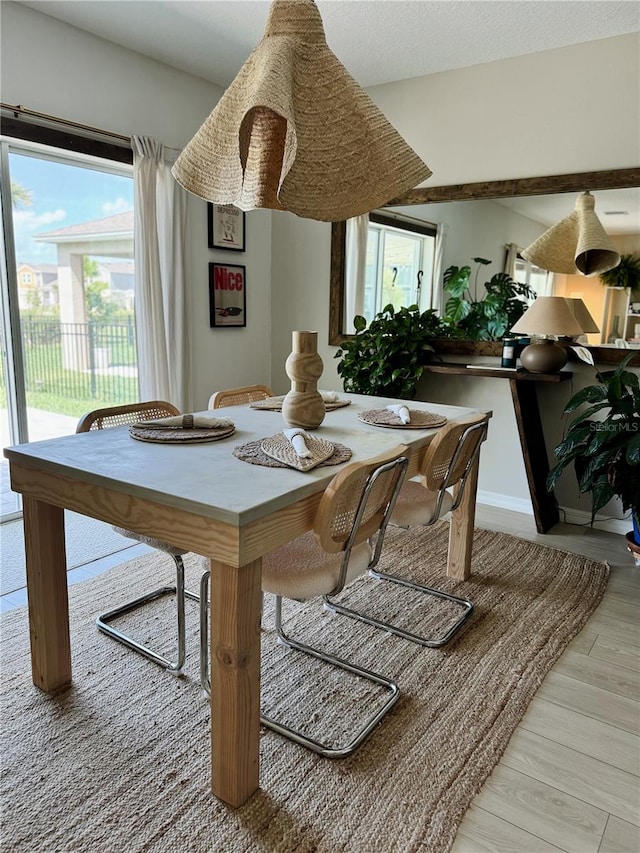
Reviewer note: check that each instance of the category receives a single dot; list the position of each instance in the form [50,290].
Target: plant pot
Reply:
[633,547]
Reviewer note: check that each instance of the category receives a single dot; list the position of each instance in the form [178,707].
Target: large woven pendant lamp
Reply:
[577,244]
[294,131]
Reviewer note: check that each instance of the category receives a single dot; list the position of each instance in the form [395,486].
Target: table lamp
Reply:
[548,315]
[582,315]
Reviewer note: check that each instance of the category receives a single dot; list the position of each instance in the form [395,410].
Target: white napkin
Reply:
[297,438]
[402,412]
[329,396]
[187,422]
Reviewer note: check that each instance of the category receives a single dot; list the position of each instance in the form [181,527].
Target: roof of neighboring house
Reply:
[43,268]
[110,226]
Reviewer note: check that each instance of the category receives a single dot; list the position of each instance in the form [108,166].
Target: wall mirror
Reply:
[484,217]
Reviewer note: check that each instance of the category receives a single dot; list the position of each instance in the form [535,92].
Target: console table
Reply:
[527,411]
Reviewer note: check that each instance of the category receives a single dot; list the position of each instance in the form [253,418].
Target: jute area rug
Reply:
[121,760]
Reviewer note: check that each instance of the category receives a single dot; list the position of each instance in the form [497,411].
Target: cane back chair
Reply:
[118,416]
[347,539]
[447,464]
[239,396]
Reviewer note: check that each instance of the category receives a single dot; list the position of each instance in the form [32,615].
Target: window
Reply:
[399,263]
[539,280]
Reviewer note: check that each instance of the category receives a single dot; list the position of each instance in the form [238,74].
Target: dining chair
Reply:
[118,416]
[447,465]
[239,396]
[346,540]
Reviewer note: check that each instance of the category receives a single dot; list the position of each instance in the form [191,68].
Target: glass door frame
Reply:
[28,138]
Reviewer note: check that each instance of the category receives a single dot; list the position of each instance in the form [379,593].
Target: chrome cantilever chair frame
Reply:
[398,468]
[476,432]
[106,419]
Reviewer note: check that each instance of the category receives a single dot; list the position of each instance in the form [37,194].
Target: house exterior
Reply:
[37,285]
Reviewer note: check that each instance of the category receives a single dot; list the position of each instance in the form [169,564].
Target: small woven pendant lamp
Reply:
[576,244]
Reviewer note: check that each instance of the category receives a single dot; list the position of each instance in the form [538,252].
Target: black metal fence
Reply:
[82,361]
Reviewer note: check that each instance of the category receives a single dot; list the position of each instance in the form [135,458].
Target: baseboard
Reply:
[505,502]
[567,513]
[579,516]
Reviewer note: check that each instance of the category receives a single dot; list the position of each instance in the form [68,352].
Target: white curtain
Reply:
[355,268]
[162,316]
[510,260]
[436,290]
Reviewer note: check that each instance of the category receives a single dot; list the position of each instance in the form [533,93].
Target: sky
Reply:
[61,195]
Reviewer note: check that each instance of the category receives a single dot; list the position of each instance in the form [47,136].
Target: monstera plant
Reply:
[603,441]
[488,318]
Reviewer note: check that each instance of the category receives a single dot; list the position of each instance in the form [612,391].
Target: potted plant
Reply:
[603,443]
[489,318]
[626,274]
[387,357]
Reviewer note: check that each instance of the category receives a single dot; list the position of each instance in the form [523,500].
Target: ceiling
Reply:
[378,41]
[618,210]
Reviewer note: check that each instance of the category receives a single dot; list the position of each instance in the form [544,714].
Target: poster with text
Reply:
[226,227]
[227,295]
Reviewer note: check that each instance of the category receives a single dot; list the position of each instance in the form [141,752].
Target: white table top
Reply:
[206,478]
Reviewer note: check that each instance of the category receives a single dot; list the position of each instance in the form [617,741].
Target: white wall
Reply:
[54,68]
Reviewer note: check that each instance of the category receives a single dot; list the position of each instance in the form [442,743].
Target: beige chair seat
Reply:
[302,569]
[416,505]
[158,544]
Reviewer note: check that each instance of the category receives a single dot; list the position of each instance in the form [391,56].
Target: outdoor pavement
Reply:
[42,425]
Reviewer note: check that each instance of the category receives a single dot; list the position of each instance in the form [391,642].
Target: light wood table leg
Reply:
[461,528]
[235,680]
[47,593]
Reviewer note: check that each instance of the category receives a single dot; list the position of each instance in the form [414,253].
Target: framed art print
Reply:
[227,295]
[226,227]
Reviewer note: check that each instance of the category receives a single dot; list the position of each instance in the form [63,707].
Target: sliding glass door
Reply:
[68,328]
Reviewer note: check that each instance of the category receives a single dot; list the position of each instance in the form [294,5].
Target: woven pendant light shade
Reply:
[577,244]
[294,131]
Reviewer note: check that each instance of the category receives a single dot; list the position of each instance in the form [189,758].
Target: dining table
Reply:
[202,498]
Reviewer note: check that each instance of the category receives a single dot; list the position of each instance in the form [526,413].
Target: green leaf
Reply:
[456,280]
[590,394]
[359,323]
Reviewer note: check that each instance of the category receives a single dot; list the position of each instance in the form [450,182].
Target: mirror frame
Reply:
[550,184]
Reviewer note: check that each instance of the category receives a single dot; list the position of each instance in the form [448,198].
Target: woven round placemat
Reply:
[274,404]
[279,447]
[419,419]
[253,453]
[173,435]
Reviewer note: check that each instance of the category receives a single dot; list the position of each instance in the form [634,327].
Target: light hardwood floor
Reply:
[570,777]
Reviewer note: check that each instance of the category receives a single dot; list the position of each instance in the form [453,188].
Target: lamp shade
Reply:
[294,131]
[582,315]
[548,315]
[576,244]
